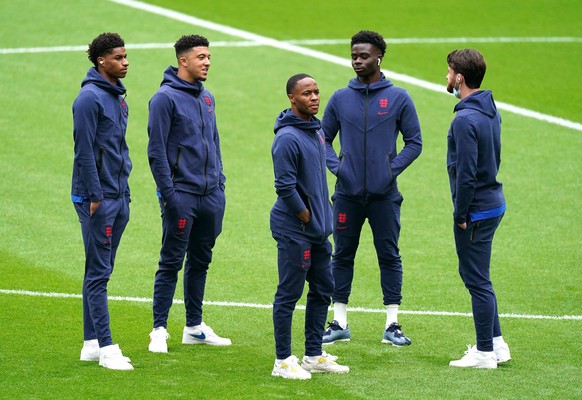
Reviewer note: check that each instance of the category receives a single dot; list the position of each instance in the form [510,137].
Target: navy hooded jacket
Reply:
[369,117]
[300,178]
[102,165]
[184,147]
[474,156]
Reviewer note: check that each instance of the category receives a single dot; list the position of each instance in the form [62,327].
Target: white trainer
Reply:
[110,357]
[502,353]
[203,334]
[474,358]
[290,369]
[158,340]
[323,363]
[90,350]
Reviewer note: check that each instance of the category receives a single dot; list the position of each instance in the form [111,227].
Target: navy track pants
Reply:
[384,218]
[190,225]
[300,260]
[474,250]
[101,236]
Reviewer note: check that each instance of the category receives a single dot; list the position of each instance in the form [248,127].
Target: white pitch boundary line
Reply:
[311,42]
[300,307]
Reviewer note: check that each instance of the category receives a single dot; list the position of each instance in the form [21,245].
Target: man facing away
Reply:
[301,224]
[186,163]
[100,190]
[473,159]
[369,113]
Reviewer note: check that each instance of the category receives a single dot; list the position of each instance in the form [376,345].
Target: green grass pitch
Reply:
[534,52]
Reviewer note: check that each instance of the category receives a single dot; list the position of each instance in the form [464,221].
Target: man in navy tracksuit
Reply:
[100,191]
[369,114]
[473,159]
[186,163]
[301,225]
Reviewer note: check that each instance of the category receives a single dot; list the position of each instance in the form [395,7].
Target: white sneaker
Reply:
[474,358]
[323,363]
[502,353]
[111,357]
[90,350]
[203,334]
[158,338]
[290,369]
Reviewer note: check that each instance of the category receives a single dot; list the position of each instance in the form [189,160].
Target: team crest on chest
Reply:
[383,103]
[123,105]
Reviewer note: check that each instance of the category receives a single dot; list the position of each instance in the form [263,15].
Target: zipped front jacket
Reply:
[369,118]
[298,153]
[184,146]
[474,156]
[101,164]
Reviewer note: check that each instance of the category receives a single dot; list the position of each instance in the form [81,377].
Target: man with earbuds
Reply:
[473,159]
[368,114]
[100,191]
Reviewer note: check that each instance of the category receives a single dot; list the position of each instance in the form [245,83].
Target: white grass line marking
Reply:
[300,307]
[541,39]
[130,46]
[304,51]
[311,42]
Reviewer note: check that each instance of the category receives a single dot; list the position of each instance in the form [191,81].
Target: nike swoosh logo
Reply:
[201,336]
[382,112]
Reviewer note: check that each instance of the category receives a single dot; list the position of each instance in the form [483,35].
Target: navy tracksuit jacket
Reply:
[186,163]
[100,173]
[473,159]
[369,118]
[304,250]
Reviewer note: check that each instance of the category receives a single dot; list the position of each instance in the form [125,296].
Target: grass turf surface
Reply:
[536,253]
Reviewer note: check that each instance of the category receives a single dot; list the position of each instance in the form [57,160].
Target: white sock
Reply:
[340,314]
[391,314]
[498,341]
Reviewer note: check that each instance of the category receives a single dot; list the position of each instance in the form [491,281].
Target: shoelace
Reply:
[333,326]
[329,357]
[206,329]
[292,361]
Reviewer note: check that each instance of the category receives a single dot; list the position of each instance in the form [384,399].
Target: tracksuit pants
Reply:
[384,218]
[300,260]
[474,250]
[101,236]
[190,225]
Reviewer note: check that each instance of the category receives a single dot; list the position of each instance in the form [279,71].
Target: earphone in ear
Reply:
[378,61]
[101,62]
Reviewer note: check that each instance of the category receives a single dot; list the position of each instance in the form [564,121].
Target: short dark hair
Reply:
[187,42]
[370,37]
[470,63]
[103,44]
[292,82]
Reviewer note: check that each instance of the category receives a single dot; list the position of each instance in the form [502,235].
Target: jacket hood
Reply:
[95,78]
[381,84]
[172,79]
[481,101]
[288,118]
